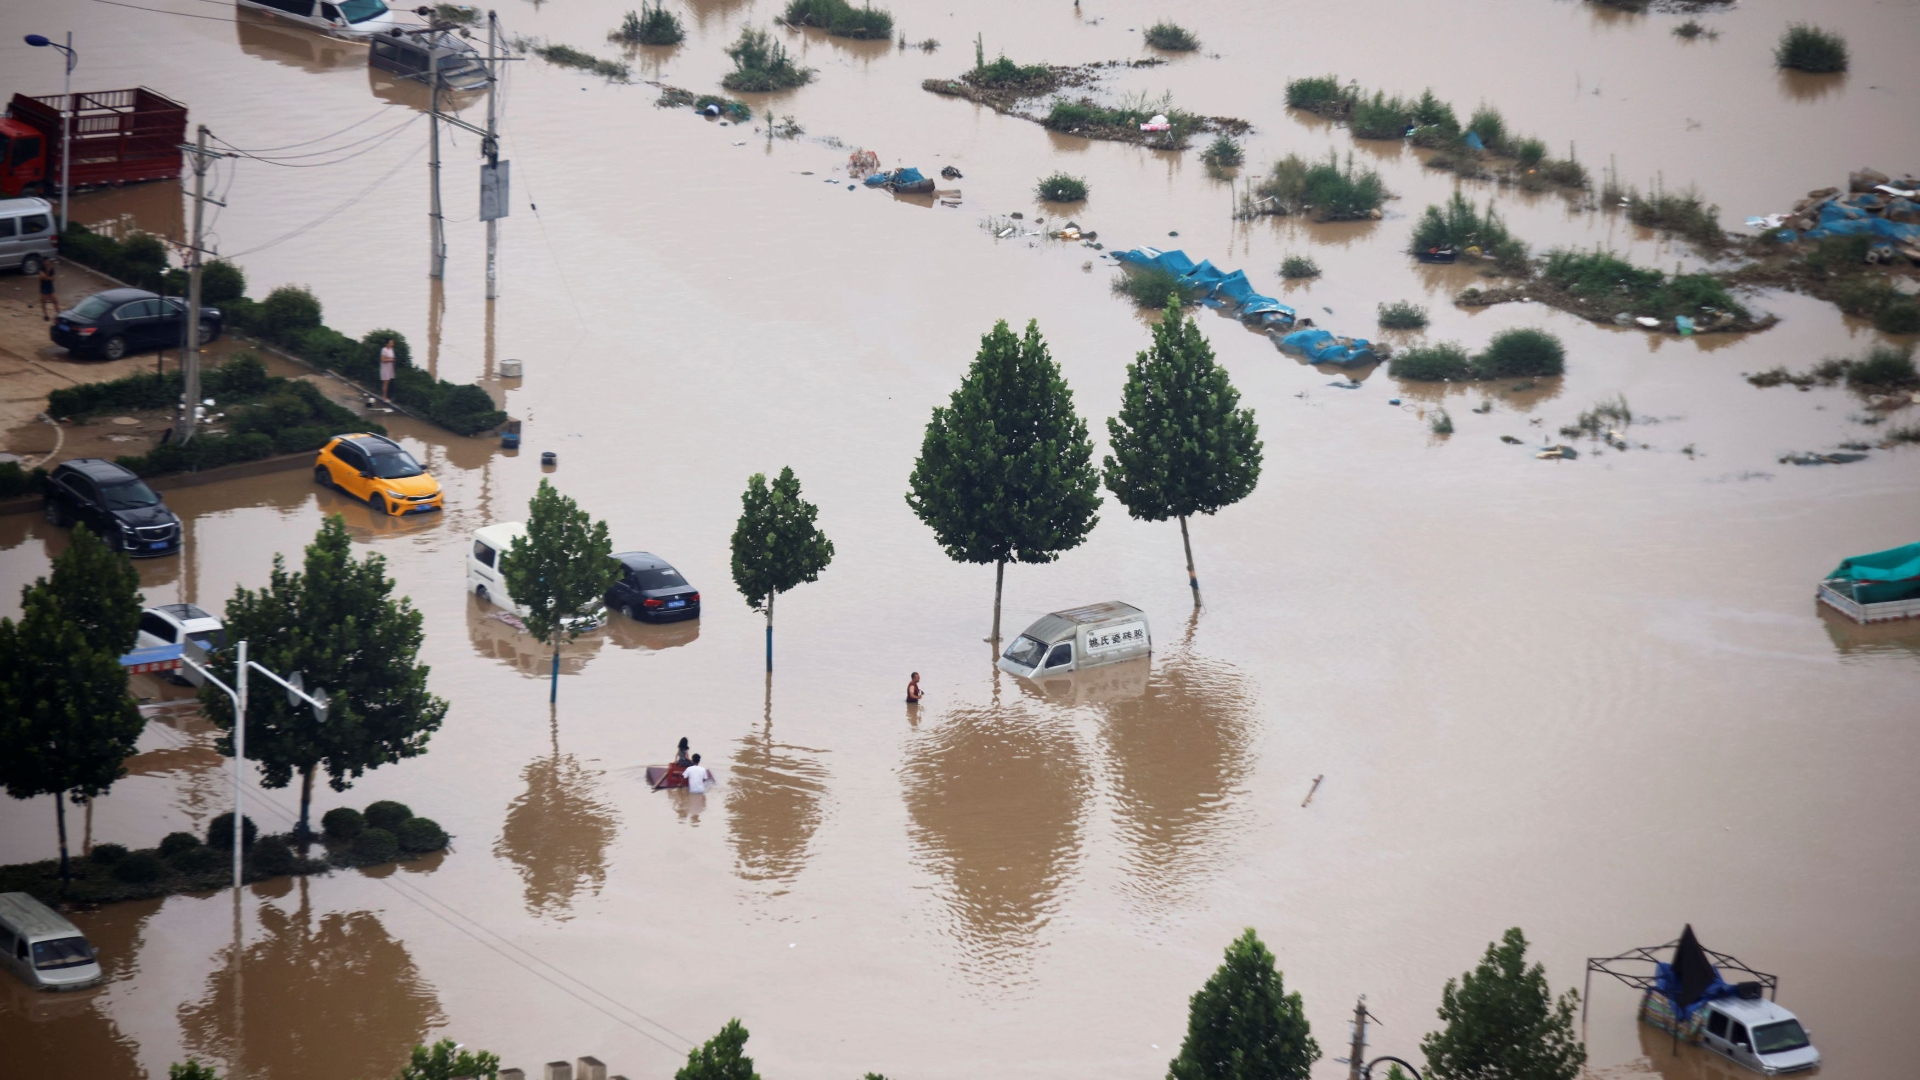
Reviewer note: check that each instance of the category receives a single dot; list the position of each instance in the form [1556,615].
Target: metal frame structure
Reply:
[1644,980]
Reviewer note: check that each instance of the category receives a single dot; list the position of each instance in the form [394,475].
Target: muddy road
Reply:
[1590,698]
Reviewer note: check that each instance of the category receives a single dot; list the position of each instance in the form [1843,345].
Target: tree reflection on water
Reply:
[556,834]
[774,807]
[325,998]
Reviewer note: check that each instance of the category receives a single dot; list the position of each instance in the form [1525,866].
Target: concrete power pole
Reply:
[492,145]
[1357,1054]
[190,331]
[437,266]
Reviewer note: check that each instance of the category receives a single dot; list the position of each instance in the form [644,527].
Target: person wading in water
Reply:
[914,693]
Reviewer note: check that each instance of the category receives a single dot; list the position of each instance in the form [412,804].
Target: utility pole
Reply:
[491,145]
[1357,1054]
[190,328]
[437,265]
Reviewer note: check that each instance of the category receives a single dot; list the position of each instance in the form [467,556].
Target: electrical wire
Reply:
[329,215]
[164,11]
[309,142]
[377,141]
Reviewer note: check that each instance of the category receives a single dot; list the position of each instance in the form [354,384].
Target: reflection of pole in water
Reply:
[234,1067]
[436,307]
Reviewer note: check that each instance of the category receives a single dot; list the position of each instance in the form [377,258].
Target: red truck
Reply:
[119,137]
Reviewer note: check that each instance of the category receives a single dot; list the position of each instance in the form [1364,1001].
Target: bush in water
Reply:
[177,842]
[651,25]
[343,823]
[273,857]
[139,868]
[220,832]
[1443,361]
[1061,188]
[1295,267]
[762,64]
[375,846]
[107,854]
[1809,48]
[387,814]
[1402,315]
[1171,36]
[1521,350]
[421,834]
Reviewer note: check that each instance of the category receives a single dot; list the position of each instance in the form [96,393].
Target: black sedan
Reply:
[114,323]
[117,505]
[650,590]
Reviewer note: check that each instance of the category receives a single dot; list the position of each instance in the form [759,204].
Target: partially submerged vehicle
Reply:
[417,52]
[197,632]
[42,948]
[1880,587]
[1077,639]
[486,581]
[1687,997]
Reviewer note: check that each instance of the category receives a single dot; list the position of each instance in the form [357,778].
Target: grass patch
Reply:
[1297,267]
[1223,152]
[1885,367]
[1003,72]
[1403,315]
[1324,189]
[1172,37]
[457,14]
[1610,281]
[1595,421]
[1441,422]
[1898,318]
[651,25]
[1380,117]
[1518,352]
[1808,48]
[1444,361]
[1061,188]
[761,64]
[1458,224]
[733,110]
[1321,94]
[841,19]
[568,56]
[1151,287]
[1083,116]
[1683,213]
[1692,29]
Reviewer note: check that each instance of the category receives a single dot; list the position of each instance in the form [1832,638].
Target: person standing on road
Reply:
[697,777]
[386,370]
[48,295]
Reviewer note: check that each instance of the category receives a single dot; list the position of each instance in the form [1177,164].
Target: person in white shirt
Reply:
[697,777]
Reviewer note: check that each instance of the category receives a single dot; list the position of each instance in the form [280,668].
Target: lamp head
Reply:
[38,41]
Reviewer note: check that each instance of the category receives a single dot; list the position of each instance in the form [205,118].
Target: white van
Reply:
[197,632]
[485,580]
[26,234]
[1759,1034]
[1077,639]
[42,947]
[341,18]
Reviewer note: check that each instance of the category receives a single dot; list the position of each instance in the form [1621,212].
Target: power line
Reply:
[377,141]
[329,215]
[309,142]
[164,11]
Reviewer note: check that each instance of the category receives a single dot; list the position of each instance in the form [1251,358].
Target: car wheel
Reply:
[380,503]
[208,332]
[55,515]
[115,348]
[30,266]
[322,476]
[628,611]
[115,541]
[481,592]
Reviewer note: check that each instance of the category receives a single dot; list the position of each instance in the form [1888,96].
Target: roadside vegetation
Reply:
[841,19]
[653,24]
[776,544]
[1171,36]
[1403,315]
[761,64]
[1297,267]
[1515,352]
[1323,189]
[1808,48]
[1061,188]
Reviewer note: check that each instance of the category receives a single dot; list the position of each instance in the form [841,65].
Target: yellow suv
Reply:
[376,469]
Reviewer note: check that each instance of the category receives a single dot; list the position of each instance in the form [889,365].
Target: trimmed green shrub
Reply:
[343,823]
[201,859]
[177,842]
[420,834]
[1061,188]
[1519,351]
[375,846]
[387,814]
[16,481]
[273,856]
[1809,48]
[1171,36]
[107,854]
[288,310]
[220,833]
[1444,361]
[139,868]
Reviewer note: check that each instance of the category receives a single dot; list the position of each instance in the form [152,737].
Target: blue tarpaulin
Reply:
[1212,284]
[1473,141]
[907,176]
[1325,347]
[1883,576]
[1838,219]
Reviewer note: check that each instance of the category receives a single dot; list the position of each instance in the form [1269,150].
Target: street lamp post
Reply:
[40,41]
[296,691]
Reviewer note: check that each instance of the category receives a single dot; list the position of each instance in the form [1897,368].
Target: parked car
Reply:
[186,625]
[117,505]
[26,232]
[414,54]
[114,323]
[40,946]
[485,580]
[342,18]
[1077,639]
[651,590]
[377,471]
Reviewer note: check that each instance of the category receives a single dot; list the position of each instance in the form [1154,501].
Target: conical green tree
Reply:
[723,1057]
[1181,444]
[1243,1025]
[776,544]
[1503,1024]
[1006,468]
[559,570]
[337,623]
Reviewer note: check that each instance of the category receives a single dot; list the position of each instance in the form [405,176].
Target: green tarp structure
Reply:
[1884,576]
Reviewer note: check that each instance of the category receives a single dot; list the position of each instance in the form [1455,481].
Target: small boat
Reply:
[669,776]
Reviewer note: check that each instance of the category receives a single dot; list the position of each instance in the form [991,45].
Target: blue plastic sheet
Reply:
[1323,347]
[1473,141]
[1837,219]
[1214,286]
[907,176]
[878,178]
[1665,981]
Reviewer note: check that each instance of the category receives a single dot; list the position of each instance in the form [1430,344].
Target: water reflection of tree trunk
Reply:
[44,1034]
[995,799]
[774,806]
[326,998]
[557,833]
[1178,755]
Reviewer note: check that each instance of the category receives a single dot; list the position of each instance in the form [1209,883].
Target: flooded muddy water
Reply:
[1592,698]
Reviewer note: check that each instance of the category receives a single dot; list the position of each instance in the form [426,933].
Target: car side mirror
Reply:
[364,475]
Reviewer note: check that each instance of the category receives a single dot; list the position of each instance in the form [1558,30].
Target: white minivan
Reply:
[485,580]
[1759,1034]
[26,234]
[1077,639]
[342,18]
[42,947]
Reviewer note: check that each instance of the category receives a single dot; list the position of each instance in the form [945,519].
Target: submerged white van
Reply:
[40,946]
[341,18]
[1077,639]
[485,580]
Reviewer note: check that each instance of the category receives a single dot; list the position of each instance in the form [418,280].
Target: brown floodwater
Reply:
[1594,698]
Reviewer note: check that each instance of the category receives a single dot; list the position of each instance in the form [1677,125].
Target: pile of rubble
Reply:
[1885,211]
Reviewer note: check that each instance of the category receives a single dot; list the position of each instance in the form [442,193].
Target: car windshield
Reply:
[91,308]
[131,495]
[395,465]
[1778,1038]
[210,640]
[63,952]
[362,10]
[1025,651]
[658,578]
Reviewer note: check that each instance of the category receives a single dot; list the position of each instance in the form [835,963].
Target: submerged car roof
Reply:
[1752,1013]
[1059,625]
[31,917]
